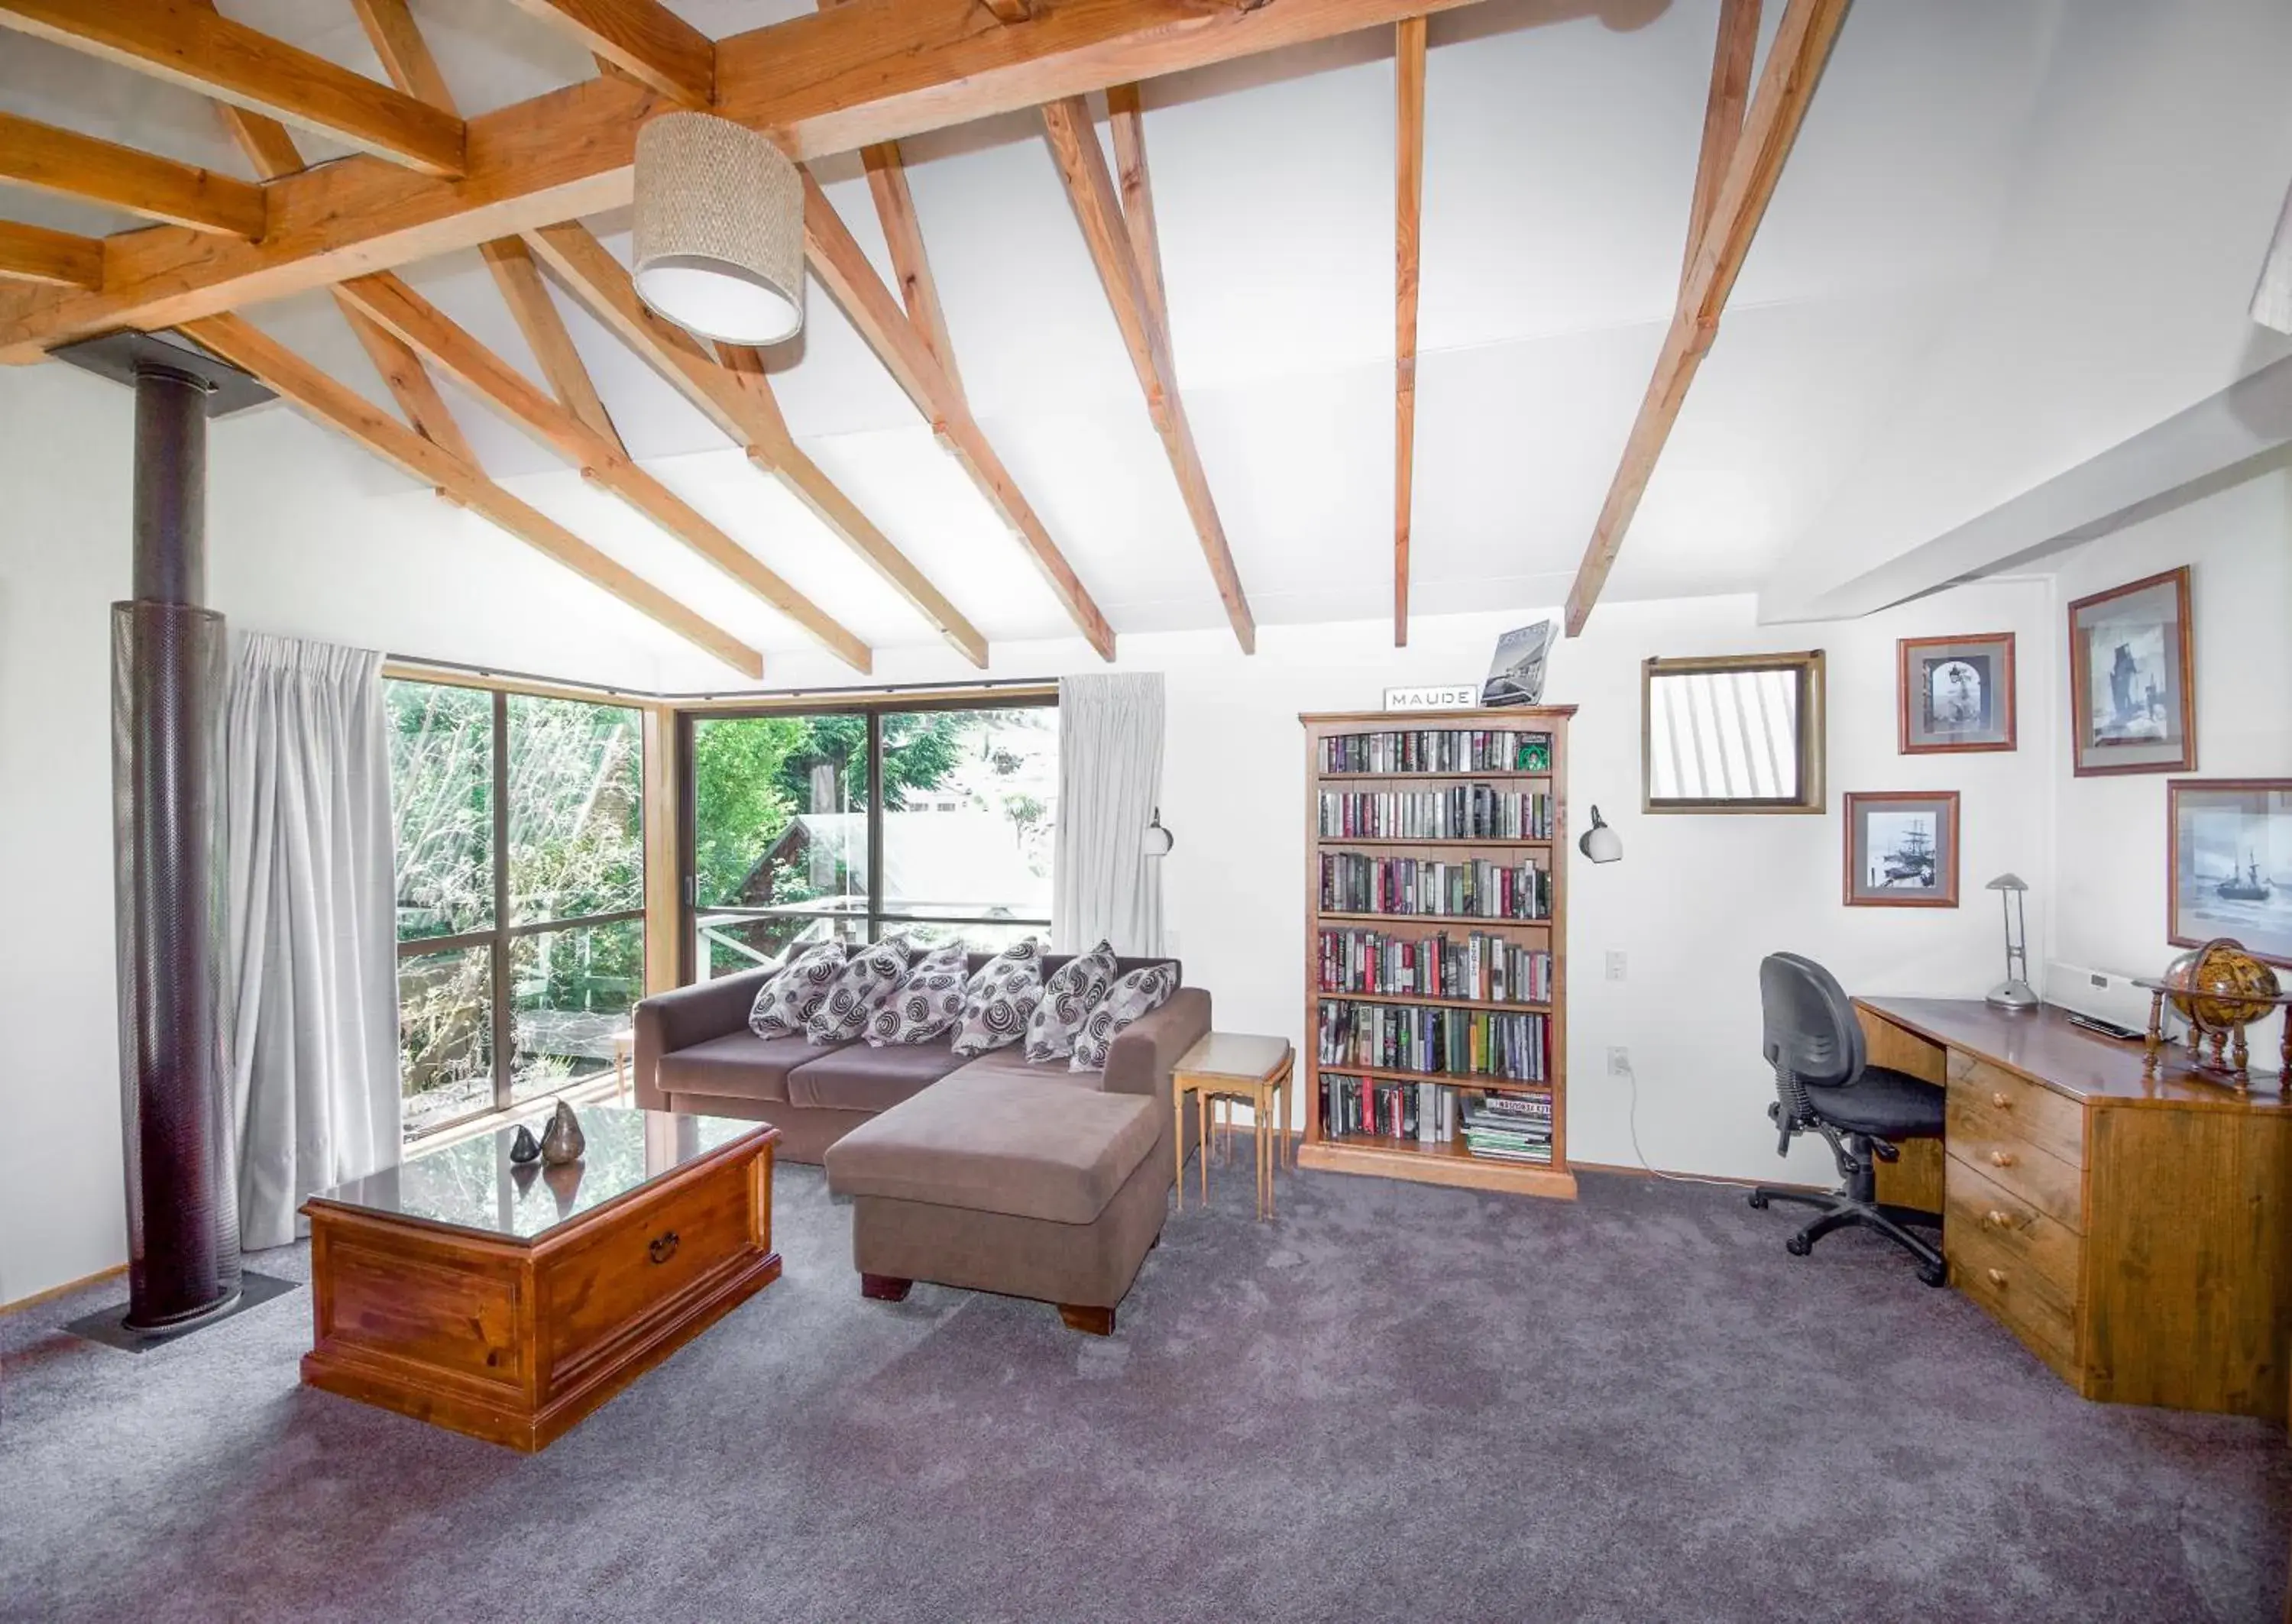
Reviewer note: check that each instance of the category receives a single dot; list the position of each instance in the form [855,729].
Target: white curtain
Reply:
[313,933]
[1105,886]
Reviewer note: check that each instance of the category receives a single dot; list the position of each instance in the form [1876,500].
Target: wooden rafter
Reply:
[844,269]
[1009,11]
[193,46]
[825,83]
[1125,115]
[1722,115]
[415,321]
[1090,188]
[71,164]
[407,57]
[739,400]
[341,408]
[34,253]
[1408,207]
[641,38]
[1794,64]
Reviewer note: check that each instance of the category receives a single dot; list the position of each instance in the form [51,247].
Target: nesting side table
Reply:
[1235,1065]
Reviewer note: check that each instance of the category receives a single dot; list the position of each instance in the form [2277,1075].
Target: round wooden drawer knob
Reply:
[1995,1220]
[1997,1277]
[2001,1158]
[2002,1100]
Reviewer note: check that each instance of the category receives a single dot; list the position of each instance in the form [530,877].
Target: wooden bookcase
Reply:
[1439,1161]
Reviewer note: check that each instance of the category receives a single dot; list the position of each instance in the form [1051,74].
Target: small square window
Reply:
[1738,733]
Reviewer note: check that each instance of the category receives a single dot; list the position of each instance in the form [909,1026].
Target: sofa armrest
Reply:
[667,1022]
[1139,1059]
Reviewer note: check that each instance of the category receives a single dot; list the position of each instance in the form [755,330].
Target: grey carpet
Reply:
[1395,1403]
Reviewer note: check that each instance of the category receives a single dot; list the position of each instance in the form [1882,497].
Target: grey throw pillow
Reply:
[999,1001]
[926,1005]
[794,996]
[867,978]
[1073,991]
[1140,992]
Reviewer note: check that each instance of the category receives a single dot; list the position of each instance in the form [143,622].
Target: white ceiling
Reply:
[1986,205]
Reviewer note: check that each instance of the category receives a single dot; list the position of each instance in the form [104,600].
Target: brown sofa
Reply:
[989,1173]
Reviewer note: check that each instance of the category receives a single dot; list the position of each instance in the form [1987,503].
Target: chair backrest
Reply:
[1810,1033]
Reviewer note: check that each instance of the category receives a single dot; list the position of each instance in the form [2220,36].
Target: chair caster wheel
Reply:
[1759,1200]
[1798,1246]
[1934,1273]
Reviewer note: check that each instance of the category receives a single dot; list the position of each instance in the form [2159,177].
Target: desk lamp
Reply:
[2014,992]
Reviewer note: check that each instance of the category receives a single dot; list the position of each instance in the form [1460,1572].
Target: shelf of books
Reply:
[1436,948]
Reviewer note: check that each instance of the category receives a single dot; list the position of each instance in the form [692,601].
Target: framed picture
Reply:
[2132,695]
[1902,850]
[2231,863]
[1956,692]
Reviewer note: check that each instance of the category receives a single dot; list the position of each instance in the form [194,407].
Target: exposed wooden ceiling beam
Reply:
[643,39]
[34,253]
[829,81]
[1013,11]
[1090,188]
[1125,115]
[739,402]
[1408,207]
[193,46]
[71,164]
[417,322]
[407,57]
[1794,64]
[341,408]
[844,269]
[1722,115]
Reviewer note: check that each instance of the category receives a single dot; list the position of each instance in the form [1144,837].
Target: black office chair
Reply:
[1827,1086]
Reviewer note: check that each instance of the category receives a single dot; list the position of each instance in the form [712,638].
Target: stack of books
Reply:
[1456,1042]
[1425,750]
[1509,1127]
[1468,812]
[1425,1111]
[1351,883]
[1484,968]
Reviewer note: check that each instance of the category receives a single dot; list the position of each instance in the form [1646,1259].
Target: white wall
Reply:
[2109,872]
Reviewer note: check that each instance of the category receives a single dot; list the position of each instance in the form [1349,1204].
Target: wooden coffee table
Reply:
[507,1302]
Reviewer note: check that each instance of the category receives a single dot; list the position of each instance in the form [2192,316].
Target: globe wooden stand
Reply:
[2218,1014]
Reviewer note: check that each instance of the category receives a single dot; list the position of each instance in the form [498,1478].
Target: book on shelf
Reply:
[1461,1043]
[1478,965]
[1435,1114]
[1477,888]
[1438,749]
[1466,812]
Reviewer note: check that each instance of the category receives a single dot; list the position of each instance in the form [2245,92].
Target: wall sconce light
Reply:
[1159,840]
[1600,843]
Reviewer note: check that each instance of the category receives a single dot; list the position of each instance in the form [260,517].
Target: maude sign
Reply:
[1461,697]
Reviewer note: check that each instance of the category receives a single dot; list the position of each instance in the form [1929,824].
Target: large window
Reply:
[1739,733]
[521,893]
[793,841]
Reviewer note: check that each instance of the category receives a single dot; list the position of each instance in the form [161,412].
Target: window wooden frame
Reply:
[1812,732]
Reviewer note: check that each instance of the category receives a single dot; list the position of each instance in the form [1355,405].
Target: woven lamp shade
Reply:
[719,246]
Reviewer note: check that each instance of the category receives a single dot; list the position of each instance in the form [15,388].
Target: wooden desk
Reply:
[2134,1232]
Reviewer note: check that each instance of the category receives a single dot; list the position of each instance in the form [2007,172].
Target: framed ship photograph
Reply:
[1902,850]
[2231,871]
[1955,694]
[2133,704]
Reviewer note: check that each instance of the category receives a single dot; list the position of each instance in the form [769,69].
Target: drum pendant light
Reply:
[719,247]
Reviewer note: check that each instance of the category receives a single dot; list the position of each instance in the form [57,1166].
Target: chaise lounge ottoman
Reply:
[1039,1187]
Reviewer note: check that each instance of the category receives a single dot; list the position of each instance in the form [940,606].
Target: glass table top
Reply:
[473,1184]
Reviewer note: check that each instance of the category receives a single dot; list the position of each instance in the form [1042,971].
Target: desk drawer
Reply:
[2019,1107]
[1980,1206]
[1977,1137]
[2018,1295]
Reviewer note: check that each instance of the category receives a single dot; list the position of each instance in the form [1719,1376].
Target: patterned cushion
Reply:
[794,996]
[999,1001]
[1140,992]
[867,978]
[1072,992]
[926,1002]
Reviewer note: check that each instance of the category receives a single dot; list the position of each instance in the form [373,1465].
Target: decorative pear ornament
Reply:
[563,1141]
[525,1147]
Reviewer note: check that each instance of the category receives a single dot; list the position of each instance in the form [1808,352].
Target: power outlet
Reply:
[1619,1062]
[1617,966]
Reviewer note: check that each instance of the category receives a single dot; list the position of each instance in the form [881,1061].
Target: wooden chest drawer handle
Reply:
[663,1247]
[2002,1100]
[1997,1277]
[2001,1158]
[1995,1219]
